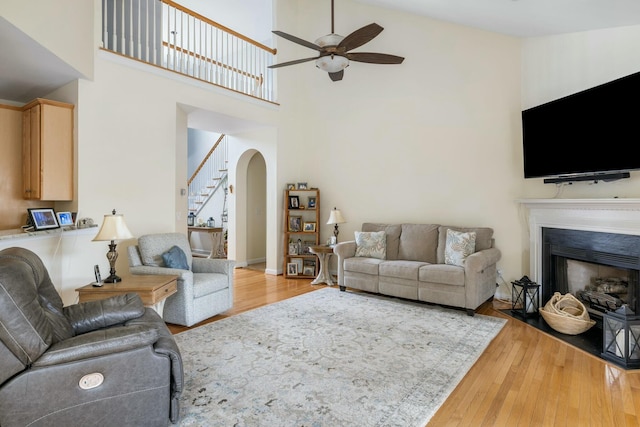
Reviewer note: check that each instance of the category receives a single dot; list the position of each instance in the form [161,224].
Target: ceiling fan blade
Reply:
[297,61]
[336,76]
[374,58]
[360,37]
[298,41]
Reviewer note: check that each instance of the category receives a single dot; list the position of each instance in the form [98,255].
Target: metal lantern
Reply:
[621,337]
[525,297]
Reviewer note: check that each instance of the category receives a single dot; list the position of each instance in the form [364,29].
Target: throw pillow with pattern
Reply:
[371,244]
[458,247]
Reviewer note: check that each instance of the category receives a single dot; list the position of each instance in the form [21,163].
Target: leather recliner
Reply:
[110,362]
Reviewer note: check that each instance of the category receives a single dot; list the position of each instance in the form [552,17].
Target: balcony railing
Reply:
[168,35]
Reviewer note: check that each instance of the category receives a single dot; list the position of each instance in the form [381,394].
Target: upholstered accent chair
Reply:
[107,362]
[205,286]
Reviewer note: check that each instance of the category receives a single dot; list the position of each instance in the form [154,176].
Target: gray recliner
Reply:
[205,288]
[108,362]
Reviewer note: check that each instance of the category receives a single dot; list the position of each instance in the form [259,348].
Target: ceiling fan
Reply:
[335,50]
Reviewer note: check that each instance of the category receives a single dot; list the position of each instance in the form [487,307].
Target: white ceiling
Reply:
[524,18]
[27,70]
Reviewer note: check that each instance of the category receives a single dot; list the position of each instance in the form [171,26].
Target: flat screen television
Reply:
[590,134]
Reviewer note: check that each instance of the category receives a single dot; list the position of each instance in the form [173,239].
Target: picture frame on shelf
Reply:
[309,270]
[295,223]
[65,219]
[311,202]
[291,186]
[43,218]
[292,269]
[294,202]
[310,266]
[302,186]
[298,263]
[293,249]
[310,227]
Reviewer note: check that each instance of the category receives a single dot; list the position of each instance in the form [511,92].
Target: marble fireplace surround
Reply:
[621,216]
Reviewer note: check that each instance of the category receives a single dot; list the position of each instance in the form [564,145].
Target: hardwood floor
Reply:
[524,378]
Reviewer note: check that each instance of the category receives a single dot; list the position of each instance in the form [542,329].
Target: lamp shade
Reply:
[113,228]
[335,217]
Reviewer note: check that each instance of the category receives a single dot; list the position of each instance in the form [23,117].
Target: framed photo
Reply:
[298,263]
[64,219]
[295,223]
[292,269]
[302,186]
[310,226]
[309,270]
[294,202]
[293,249]
[291,186]
[43,218]
[311,203]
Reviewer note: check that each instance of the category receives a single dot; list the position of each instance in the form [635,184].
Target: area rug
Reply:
[329,358]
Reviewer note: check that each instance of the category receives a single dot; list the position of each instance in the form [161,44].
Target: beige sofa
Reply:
[414,267]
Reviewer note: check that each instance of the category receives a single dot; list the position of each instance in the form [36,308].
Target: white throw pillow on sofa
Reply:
[458,247]
[371,244]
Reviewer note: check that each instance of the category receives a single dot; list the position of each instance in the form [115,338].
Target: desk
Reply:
[323,253]
[217,241]
[152,288]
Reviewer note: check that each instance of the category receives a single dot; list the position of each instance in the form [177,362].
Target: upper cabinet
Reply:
[47,150]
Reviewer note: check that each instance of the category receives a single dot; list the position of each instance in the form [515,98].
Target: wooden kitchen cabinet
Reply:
[47,150]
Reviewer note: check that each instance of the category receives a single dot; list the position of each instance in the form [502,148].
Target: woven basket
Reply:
[566,314]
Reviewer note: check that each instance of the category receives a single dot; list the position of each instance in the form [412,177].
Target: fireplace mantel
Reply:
[603,215]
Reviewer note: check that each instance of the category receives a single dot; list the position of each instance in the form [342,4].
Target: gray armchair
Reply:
[204,289]
[107,362]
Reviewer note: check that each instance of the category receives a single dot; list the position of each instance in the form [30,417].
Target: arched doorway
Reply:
[256,220]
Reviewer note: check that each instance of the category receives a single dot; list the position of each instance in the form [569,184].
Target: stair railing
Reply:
[173,37]
[209,176]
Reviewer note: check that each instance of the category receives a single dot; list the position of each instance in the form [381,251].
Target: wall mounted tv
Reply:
[590,135]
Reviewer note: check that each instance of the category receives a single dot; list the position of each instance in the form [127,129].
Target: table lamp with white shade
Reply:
[335,217]
[113,228]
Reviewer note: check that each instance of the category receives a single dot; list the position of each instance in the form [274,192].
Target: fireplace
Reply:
[600,269]
[585,246]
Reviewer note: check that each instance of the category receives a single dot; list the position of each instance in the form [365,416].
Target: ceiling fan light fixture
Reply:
[332,63]
[329,40]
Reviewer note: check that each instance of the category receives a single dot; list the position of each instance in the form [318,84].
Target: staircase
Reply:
[209,179]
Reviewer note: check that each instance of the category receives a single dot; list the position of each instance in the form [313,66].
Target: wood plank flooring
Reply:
[524,378]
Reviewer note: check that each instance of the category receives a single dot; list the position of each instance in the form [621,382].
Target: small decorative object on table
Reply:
[525,297]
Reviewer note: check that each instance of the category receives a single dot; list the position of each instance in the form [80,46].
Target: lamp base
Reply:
[113,279]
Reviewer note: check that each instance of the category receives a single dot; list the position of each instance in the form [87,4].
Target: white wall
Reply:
[431,140]
[556,66]
[62,26]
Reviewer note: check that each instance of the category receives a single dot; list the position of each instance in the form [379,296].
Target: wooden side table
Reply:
[323,253]
[153,289]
